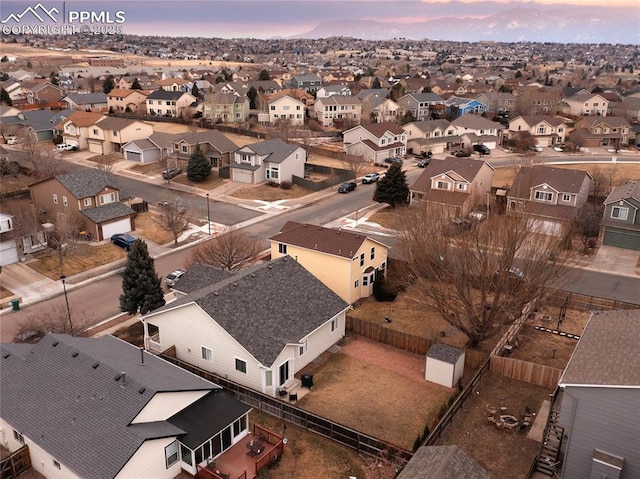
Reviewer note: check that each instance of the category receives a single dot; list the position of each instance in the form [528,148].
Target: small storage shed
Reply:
[445,365]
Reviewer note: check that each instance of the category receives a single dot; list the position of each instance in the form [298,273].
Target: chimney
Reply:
[124,378]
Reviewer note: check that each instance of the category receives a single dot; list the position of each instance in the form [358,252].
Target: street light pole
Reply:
[66,299]
[208,214]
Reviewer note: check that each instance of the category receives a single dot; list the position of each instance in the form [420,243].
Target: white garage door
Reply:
[95,148]
[8,253]
[133,155]
[242,176]
[120,226]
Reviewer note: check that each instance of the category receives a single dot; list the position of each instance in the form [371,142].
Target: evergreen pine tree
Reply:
[141,286]
[195,91]
[198,167]
[393,188]
[264,75]
[252,95]
[135,85]
[108,84]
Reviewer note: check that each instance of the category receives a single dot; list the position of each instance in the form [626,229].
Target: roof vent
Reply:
[215,293]
[118,376]
[235,284]
[142,390]
[5,356]
[95,365]
[75,355]
[55,343]
[270,266]
[253,275]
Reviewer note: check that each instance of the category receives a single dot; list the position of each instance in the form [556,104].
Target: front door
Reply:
[284,372]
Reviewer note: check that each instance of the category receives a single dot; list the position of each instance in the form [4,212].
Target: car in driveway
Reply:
[536,148]
[173,277]
[482,149]
[424,162]
[461,153]
[170,173]
[370,178]
[347,187]
[64,147]
[393,159]
[123,240]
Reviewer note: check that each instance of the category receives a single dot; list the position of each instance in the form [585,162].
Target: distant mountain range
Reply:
[616,25]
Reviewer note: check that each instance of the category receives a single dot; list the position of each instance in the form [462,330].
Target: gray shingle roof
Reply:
[267,306]
[625,191]
[199,276]
[444,353]
[608,352]
[165,95]
[86,182]
[87,98]
[275,150]
[442,462]
[214,137]
[107,212]
[560,179]
[80,414]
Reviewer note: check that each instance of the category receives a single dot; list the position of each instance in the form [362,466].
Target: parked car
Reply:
[64,147]
[461,153]
[123,240]
[173,277]
[424,162]
[393,159]
[12,140]
[477,215]
[171,204]
[347,187]
[370,178]
[536,148]
[482,149]
[171,173]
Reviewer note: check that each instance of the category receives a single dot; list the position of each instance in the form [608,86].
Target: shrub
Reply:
[286,185]
[380,291]
[272,184]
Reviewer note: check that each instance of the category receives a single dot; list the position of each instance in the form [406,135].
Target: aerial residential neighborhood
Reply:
[337,257]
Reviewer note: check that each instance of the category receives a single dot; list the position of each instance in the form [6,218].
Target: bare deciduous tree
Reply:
[43,162]
[65,236]
[233,251]
[479,277]
[356,164]
[174,218]
[54,320]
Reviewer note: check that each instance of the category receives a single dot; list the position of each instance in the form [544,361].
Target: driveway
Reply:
[619,260]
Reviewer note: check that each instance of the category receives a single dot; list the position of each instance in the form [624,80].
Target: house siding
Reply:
[149,461]
[600,418]
[165,405]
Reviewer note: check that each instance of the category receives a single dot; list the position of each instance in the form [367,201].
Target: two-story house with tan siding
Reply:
[257,327]
[345,261]
[475,129]
[168,103]
[337,110]
[75,128]
[376,141]
[226,107]
[109,134]
[459,185]
[213,144]
[120,100]
[286,108]
[546,129]
[609,132]
[272,160]
[89,193]
[436,136]
[586,104]
[551,198]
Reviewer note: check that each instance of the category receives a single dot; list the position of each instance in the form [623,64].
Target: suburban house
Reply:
[146,82]
[330,90]
[600,393]
[376,107]
[40,93]
[272,160]
[337,110]
[75,128]
[421,105]
[102,408]
[109,134]
[459,106]
[586,104]
[475,129]
[345,261]
[550,197]
[286,108]
[39,123]
[86,101]
[257,327]
[101,205]
[376,141]
[609,132]
[16,241]
[440,462]
[628,107]
[309,83]
[498,102]
[539,101]
[172,84]
[459,185]
[546,129]
[342,76]
[621,222]
[225,107]
[414,84]
[214,145]
[168,103]
[158,147]
[436,136]
[121,101]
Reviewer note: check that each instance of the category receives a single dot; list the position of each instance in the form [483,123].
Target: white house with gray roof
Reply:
[86,101]
[103,408]
[600,399]
[257,327]
[272,160]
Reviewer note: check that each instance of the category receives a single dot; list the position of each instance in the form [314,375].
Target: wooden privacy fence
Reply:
[16,463]
[407,342]
[526,371]
[361,443]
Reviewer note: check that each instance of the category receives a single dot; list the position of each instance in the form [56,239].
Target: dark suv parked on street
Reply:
[123,240]
[347,187]
[482,149]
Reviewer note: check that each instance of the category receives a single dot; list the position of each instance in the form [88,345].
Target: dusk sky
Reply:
[282,18]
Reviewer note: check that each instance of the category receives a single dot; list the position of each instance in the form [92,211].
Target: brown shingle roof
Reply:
[327,240]
[560,179]
[83,118]
[466,167]
[379,129]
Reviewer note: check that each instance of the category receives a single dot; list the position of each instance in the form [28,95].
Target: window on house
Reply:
[171,454]
[239,426]
[334,324]
[207,354]
[462,186]
[20,438]
[373,252]
[442,185]
[383,266]
[619,213]
[87,201]
[108,198]
[65,202]
[365,280]
[356,283]
[544,196]
[55,199]
[268,378]
[303,347]
[282,248]
[541,130]
[286,107]
[566,197]
[273,108]
[95,131]
[241,365]
[362,259]
[185,148]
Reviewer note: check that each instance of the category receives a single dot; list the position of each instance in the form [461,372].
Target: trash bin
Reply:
[15,304]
